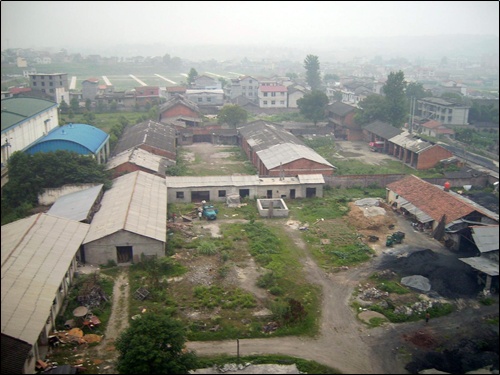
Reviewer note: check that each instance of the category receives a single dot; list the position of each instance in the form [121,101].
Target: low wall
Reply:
[272,208]
[382,180]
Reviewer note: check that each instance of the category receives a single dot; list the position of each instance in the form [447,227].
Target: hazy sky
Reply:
[70,24]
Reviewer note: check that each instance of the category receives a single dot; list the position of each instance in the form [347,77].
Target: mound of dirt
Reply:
[368,222]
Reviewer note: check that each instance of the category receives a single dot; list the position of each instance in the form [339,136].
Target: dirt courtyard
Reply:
[449,343]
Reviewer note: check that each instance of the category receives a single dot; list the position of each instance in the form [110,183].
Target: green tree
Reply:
[29,174]
[415,90]
[88,104]
[373,107]
[292,76]
[63,107]
[394,90]
[232,114]
[74,105]
[313,105]
[113,106]
[223,81]
[192,75]
[311,65]
[154,344]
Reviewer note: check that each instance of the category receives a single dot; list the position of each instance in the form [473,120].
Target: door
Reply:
[123,254]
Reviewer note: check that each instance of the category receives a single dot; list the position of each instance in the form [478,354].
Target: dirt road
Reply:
[347,344]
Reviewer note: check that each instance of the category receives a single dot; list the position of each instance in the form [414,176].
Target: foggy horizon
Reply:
[206,30]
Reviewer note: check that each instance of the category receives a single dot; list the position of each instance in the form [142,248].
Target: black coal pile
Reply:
[468,355]
[449,277]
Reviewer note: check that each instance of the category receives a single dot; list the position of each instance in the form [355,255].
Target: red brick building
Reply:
[341,118]
[181,109]
[276,152]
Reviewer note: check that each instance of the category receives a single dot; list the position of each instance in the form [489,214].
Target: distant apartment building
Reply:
[206,97]
[90,88]
[245,86]
[448,113]
[273,96]
[53,84]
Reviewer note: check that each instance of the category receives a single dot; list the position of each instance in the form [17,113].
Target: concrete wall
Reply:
[28,131]
[100,251]
[276,190]
[272,208]
[49,196]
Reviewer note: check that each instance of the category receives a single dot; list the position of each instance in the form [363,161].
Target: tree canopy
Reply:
[373,107]
[232,114]
[30,174]
[397,107]
[313,105]
[311,65]
[154,344]
[192,75]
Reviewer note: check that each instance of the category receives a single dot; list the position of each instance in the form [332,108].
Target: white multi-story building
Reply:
[273,96]
[449,114]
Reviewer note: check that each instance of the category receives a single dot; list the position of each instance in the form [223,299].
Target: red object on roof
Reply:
[273,88]
[431,199]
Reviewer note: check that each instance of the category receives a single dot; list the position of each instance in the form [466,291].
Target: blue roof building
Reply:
[80,138]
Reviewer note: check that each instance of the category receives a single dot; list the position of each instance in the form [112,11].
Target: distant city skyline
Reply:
[95,27]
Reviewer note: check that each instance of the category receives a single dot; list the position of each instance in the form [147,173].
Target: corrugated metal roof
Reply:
[16,110]
[151,133]
[407,141]
[36,253]
[141,158]
[261,135]
[209,181]
[86,136]
[486,238]
[76,206]
[311,178]
[286,153]
[421,215]
[137,203]
[382,129]
[482,264]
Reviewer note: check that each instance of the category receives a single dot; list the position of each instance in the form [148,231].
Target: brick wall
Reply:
[430,157]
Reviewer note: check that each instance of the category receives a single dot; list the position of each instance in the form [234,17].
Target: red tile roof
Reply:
[431,199]
[431,124]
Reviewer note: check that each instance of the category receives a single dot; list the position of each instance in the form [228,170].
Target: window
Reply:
[222,193]
[265,94]
[282,102]
[273,94]
[34,83]
[200,100]
[265,102]
[273,102]
[179,195]
[51,83]
[209,99]
[43,83]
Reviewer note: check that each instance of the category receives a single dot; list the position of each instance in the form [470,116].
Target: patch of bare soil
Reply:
[369,224]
